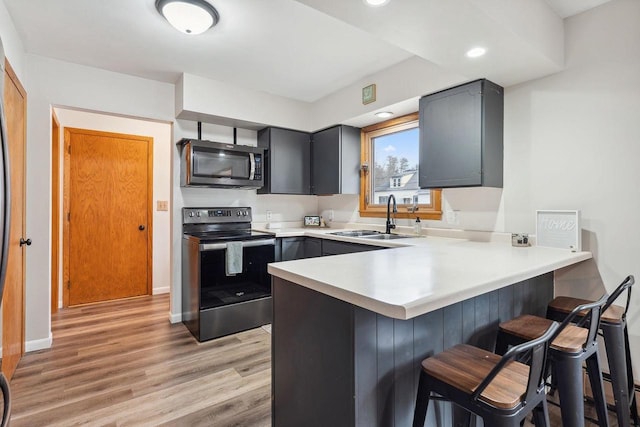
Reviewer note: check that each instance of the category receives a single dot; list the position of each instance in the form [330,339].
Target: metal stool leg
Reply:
[541,415]
[616,354]
[570,390]
[630,379]
[422,401]
[595,378]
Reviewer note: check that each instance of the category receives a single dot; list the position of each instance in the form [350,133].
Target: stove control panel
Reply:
[215,215]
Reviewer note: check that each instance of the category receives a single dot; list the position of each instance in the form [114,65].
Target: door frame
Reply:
[66,204]
[55,211]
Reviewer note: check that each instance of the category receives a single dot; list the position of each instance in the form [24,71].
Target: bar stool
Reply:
[613,325]
[500,390]
[572,346]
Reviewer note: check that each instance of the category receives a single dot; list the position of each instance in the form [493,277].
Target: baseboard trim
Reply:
[175,317]
[161,290]
[41,344]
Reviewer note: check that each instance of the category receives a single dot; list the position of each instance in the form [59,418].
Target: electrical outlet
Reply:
[331,215]
[269,215]
[452,217]
[162,205]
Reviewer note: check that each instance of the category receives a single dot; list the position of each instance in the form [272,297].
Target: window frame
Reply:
[432,211]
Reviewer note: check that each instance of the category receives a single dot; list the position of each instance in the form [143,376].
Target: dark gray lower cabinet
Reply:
[310,247]
[336,364]
[299,247]
[333,247]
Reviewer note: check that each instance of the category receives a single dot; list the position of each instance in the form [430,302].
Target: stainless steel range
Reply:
[225,284]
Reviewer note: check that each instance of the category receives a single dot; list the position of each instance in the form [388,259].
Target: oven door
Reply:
[219,289]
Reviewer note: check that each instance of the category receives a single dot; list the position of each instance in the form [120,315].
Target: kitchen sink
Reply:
[383,236]
[357,233]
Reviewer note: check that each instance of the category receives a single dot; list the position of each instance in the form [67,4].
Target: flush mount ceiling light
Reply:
[375,3]
[476,52]
[188,16]
[384,114]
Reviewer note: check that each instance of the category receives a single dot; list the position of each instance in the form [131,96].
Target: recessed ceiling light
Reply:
[476,52]
[376,3]
[384,114]
[188,16]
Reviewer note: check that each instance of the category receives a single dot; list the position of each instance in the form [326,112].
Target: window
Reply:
[390,151]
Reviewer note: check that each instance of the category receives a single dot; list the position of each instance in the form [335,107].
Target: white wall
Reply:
[49,83]
[13,48]
[572,141]
[162,145]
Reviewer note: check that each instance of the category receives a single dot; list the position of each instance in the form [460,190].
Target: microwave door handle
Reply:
[252,162]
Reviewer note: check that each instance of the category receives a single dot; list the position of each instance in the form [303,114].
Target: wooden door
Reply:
[15,103]
[109,216]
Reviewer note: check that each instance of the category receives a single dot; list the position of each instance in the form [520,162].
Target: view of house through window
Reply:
[391,151]
[395,171]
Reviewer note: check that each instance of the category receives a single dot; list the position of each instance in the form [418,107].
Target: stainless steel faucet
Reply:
[391,224]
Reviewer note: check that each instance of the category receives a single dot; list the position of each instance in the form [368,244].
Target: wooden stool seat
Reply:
[569,348]
[613,327]
[499,389]
[528,327]
[465,366]
[613,314]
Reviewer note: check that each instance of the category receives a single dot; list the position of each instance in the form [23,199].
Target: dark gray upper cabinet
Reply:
[287,160]
[336,160]
[461,136]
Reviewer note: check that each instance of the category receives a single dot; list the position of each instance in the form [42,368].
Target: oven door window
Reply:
[221,164]
[218,289]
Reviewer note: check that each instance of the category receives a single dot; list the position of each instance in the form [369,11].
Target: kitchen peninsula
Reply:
[349,331]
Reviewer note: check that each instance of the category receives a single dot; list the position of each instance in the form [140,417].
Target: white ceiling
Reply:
[567,8]
[300,49]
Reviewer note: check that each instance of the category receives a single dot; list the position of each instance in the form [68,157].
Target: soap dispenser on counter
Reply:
[417,226]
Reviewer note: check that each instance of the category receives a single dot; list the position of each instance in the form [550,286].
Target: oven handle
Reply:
[245,244]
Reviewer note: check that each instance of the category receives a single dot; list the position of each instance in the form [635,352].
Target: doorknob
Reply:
[141,227]
[25,242]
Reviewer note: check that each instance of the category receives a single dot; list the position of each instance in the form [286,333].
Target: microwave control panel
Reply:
[257,175]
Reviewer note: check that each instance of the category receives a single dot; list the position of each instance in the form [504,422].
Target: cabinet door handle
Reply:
[25,242]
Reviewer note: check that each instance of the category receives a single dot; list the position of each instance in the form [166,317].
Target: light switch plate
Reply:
[162,205]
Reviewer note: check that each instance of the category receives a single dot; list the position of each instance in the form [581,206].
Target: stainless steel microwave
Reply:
[214,164]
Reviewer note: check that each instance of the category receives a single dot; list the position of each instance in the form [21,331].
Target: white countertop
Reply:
[427,274]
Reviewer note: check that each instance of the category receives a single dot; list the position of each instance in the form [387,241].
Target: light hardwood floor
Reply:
[123,363]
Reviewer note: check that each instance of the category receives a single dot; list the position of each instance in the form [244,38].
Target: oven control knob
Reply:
[198,214]
[238,213]
[191,214]
[244,213]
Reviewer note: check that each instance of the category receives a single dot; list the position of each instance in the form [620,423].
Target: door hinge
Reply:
[69,149]
[68,284]
[68,216]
